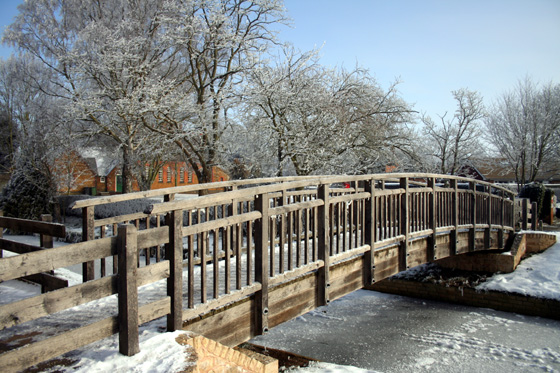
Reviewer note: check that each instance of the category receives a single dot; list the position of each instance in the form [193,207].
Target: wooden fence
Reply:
[243,252]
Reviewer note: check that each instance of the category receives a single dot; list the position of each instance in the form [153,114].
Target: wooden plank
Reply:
[284,209]
[45,304]
[349,197]
[121,219]
[47,281]
[32,354]
[63,256]
[18,247]
[215,304]
[220,223]
[295,273]
[33,226]
[129,343]
[152,237]
[404,220]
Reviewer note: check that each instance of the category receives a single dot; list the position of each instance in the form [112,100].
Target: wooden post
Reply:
[454,217]
[88,234]
[323,245]
[128,290]
[488,230]
[45,240]
[534,216]
[472,231]
[404,226]
[369,234]
[261,262]
[524,214]
[174,253]
[1,235]
[502,219]
[432,220]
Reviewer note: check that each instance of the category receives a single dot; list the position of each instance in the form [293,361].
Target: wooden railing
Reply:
[250,241]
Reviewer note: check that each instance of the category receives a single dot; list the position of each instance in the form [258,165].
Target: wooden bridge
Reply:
[235,263]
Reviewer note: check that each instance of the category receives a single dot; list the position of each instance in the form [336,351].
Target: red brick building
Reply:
[76,174]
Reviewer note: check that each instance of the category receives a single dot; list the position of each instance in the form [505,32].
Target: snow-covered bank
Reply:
[537,276]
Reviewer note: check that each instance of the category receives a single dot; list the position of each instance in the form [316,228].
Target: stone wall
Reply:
[508,302]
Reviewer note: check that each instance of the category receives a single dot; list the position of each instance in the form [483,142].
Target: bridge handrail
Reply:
[235,184]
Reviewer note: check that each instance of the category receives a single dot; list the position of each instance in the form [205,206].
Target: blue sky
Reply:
[432,46]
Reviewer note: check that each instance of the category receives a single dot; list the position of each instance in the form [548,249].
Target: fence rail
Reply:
[221,248]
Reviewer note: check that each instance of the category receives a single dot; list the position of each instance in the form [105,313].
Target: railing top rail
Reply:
[275,184]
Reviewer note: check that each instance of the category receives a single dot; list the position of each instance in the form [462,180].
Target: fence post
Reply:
[524,214]
[404,228]
[323,250]
[502,219]
[472,231]
[488,230]
[46,241]
[262,202]
[534,216]
[128,290]
[88,234]
[454,217]
[174,253]
[431,251]
[369,234]
[1,235]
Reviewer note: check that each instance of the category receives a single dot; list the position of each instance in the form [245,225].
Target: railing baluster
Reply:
[261,262]
[404,225]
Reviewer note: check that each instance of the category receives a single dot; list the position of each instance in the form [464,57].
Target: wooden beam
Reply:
[33,226]
[262,204]
[404,224]
[128,291]
[370,233]
[174,253]
[472,231]
[88,234]
[323,245]
[432,219]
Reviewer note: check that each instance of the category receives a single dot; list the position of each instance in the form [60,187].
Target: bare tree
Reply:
[522,127]
[455,139]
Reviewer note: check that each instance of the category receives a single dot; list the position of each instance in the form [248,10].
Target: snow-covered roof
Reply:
[104,162]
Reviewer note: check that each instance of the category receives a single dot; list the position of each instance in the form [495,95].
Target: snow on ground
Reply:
[537,276]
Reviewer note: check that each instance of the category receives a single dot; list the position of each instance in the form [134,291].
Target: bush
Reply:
[29,193]
[536,192]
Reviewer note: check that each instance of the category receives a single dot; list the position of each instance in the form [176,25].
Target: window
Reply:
[190,177]
[147,171]
[182,175]
[168,174]
[160,176]
[102,179]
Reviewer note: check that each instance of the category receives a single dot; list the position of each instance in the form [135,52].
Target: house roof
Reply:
[101,161]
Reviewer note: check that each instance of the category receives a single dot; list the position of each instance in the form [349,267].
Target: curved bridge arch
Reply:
[294,244]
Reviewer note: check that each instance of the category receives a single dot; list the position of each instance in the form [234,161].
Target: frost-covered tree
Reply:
[453,140]
[224,43]
[126,66]
[319,119]
[522,126]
